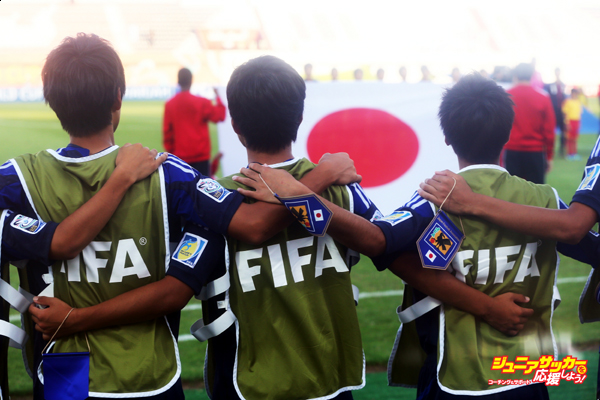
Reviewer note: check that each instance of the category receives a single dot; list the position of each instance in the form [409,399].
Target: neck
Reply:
[96,142]
[462,163]
[266,158]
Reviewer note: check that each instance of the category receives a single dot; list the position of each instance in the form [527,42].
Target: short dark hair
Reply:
[82,78]
[523,71]
[476,116]
[266,100]
[184,77]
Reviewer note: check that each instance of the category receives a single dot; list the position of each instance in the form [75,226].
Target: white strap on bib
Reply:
[215,287]
[416,310]
[204,332]
[17,300]
[16,336]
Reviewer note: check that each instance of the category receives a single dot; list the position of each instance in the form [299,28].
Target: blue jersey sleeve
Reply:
[25,238]
[197,198]
[12,194]
[197,258]
[362,205]
[586,251]
[588,192]
[402,228]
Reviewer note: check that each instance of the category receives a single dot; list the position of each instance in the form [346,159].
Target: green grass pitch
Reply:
[32,127]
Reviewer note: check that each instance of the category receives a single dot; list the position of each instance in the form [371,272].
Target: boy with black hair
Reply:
[297,329]
[84,83]
[476,117]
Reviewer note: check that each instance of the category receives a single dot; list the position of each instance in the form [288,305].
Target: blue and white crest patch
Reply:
[396,217]
[212,189]
[190,249]
[26,224]
[591,176]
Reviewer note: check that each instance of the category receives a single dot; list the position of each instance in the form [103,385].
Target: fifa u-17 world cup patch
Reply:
[26,224]
[310,212]
[212,189]
[396,217]
[439,242]
[190,249]
[591,176]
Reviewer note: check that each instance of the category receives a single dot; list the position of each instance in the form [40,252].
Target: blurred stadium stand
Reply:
[211,37]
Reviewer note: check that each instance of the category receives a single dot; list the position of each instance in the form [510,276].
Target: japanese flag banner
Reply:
[391,131]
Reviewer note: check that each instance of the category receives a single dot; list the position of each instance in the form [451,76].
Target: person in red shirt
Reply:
[530,149]
[185,124]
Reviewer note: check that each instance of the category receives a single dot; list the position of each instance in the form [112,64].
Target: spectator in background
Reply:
[502,74]
[455,75]
[426,75]
[402,72]
[334,74]
[380,74]
[572,109]
[308,73]
[484,73]
[358,74]
[556,91]
[185,124]
[530,148]
[536,77]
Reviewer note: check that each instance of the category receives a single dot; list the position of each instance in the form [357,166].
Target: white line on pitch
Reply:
[366,295]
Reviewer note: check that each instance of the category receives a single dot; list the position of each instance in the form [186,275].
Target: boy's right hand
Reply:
[451,188]
[341,166]
[507,316]
[136,162]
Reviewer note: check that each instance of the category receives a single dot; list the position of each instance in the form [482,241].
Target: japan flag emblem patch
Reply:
[430,256]
[318,215]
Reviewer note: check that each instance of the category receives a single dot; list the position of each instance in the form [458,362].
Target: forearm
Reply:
[355,232]
[319,178]
[81,227]
[568,226]
[441,285]
[260,221]
[143,304]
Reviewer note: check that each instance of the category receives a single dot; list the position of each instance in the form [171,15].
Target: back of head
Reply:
[184,78]
[83,77]
[266,100]
[476,116]
[523,72]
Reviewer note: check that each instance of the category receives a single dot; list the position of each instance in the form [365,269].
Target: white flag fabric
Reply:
[391,131]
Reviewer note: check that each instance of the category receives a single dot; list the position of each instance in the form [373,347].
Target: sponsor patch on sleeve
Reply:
[26,224]
[212,189]
[396,217]
[190,249]
[590,178]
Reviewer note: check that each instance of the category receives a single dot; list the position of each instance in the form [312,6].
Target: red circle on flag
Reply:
[382,146]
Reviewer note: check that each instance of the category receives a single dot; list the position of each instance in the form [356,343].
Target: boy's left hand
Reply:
[47,320]
[507,316]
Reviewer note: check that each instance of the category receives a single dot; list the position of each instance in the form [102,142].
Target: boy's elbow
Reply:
[252,232]
[573,235]
[64,251]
